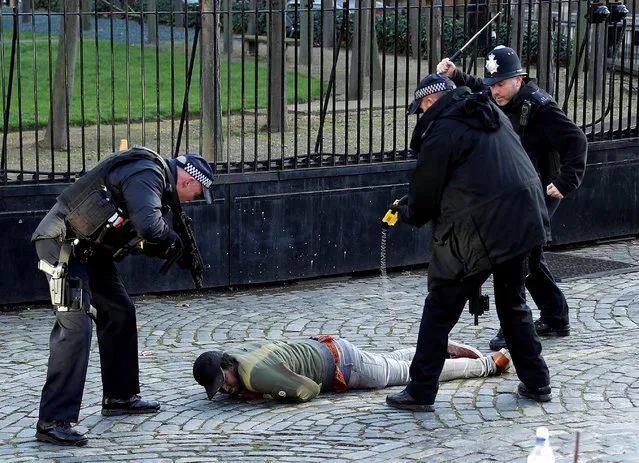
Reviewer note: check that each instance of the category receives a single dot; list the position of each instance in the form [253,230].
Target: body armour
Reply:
[91,205]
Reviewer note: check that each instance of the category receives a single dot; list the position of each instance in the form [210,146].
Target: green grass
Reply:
[120,97]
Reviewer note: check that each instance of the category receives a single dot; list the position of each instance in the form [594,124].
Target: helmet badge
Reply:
[491,64]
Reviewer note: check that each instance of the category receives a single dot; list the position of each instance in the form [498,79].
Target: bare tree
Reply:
[434,27]
[227,26]
[210,93]
[328,23]
[413,13]
[277,108]
[545,58]
[306,32]
[366,69]
[56,133]
[151,19]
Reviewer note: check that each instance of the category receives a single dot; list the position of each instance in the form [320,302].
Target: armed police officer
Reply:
[475,183]
[557,148]
[122,206]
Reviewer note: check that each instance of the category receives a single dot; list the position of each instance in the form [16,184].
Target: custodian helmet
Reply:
[502,63]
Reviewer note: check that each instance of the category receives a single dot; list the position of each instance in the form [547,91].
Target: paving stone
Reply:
[595,391]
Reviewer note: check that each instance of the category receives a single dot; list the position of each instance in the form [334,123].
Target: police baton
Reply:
[472,39]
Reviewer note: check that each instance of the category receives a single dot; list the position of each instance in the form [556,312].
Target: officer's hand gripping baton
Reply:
[472,39]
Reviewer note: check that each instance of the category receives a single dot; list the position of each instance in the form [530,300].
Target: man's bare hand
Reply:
[551,190]
[446,67]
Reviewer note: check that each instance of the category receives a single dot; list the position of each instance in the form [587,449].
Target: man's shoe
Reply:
[59,433]
[502,360]
[544,329]
[456,350]
[542,394]
[134,405]
[498,342]
[404,401]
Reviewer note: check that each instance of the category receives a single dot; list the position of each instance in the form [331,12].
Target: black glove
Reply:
[185,261]
[173,244]
[404,213]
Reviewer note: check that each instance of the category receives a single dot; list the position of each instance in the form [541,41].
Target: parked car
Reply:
[339,4]
[291,23]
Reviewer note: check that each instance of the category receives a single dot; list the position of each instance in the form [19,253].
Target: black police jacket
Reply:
[557,147]
[476,184]
[136,184]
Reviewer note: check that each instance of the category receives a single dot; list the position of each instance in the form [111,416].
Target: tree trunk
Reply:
[435,33]
[366,70]
[517,27]
[178,12]
[87,7]
[56,132]
[545,57]
[26,8]
[579,35]
[251,20]
[277,109]
[597,62]
[306,32]
[211,101]
[151,21]
[413,13]
[227,26]
[328,23]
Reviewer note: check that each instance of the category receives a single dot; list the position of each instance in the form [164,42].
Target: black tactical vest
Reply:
[89,202]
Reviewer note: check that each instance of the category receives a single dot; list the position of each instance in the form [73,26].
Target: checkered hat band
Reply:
[198,175]
[430,89]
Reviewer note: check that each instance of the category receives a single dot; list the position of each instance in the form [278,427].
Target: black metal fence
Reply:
[284,84]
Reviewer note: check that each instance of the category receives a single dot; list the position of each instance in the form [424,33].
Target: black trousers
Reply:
[70,340]
[442,309]
[542,286]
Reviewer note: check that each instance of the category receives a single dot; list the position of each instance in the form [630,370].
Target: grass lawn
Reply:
[129,83]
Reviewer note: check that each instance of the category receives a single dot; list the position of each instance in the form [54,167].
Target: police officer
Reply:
[115,209]
[557,148]
[476,184]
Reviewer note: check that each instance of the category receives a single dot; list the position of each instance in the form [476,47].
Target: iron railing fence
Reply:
[279,84]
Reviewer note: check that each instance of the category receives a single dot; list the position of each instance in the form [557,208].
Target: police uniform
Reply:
[472,178]
[97,220]
[557,148]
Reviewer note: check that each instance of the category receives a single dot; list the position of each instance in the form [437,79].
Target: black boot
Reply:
[59,433]
[543,394]
[498,342]
[134,405]
[544,329]
[404,401]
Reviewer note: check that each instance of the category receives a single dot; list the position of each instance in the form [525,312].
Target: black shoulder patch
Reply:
[541,98]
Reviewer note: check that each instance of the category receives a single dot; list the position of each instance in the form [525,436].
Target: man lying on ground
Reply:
[297,371]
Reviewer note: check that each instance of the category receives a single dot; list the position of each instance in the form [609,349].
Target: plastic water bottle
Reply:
[542,453]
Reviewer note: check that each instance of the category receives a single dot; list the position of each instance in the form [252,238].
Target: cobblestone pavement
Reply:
[595,385]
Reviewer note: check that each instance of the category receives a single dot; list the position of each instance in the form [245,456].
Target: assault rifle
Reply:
[189,256]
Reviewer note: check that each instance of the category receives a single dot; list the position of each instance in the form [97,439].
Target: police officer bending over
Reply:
[115,209]
[476,184]
[557,148]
